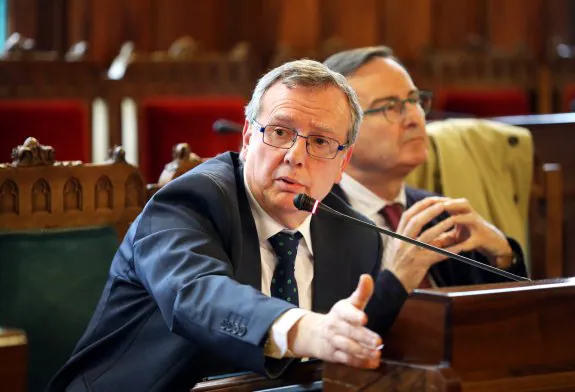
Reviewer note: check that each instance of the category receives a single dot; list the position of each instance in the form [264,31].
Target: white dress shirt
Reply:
[267,227]
[369,204]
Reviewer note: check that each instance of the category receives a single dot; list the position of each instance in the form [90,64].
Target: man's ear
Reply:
[344,162]
[246,137]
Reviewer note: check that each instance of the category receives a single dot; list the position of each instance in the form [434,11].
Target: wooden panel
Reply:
[23,15]
[514,23]
[456,23]
[78,21]
[299,24]
[356,22]
[106,29]
[139,24]
[407,26]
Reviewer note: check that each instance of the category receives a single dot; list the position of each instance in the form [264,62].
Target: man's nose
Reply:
[296,155]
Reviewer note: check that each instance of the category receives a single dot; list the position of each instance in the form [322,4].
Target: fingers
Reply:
[416,209]
[457,206]
[438,229]
[362,294]
[412,225]
[358,362]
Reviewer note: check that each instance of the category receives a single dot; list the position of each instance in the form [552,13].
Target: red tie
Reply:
[392,215]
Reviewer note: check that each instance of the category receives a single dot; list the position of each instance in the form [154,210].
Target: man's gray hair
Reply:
[349,61]
[306,73]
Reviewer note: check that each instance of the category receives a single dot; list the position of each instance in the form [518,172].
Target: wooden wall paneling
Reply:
[407,26]
[512,24]
[78,22]
[457,22]
[300,24]
[559,18]
[197,19]
[139,23]
[356,22]
[23,16]
[171,22]
[106,32]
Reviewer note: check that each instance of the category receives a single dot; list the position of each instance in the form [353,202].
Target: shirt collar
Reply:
[364,200]
[267,227]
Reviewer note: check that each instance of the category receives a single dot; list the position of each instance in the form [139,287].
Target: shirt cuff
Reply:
[277,342]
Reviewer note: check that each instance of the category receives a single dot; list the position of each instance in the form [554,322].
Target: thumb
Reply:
[360,297]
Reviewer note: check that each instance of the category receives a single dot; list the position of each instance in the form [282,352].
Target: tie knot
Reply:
[392,214]
[285,245]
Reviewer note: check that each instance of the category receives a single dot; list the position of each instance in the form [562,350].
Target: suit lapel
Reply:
[249,269]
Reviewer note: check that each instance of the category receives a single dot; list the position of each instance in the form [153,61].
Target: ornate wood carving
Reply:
[41,196]
[117,154]
[73,195]
[9,196]
[135,192]
[104,197]
[32,153]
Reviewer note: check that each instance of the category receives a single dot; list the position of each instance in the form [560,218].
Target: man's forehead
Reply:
[321,112]
[381,78]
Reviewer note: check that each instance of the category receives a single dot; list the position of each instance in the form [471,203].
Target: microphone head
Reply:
[304,202]
[226,126]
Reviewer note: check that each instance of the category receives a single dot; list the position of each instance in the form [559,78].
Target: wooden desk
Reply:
[13,360]
[503,337]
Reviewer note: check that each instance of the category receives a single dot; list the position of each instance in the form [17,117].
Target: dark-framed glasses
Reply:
[318,146]
[394,108]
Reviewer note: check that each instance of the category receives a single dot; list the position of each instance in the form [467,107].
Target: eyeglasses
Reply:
[316,145]
[394,108]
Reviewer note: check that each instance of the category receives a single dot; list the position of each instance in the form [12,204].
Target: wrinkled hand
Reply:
[341,335]
[410,263]
[472,232]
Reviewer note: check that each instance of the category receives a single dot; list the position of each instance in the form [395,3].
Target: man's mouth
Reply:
[288,182]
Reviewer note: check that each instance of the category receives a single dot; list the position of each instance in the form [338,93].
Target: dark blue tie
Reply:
[284,285]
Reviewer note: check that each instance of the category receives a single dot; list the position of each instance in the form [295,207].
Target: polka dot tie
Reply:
[284,285]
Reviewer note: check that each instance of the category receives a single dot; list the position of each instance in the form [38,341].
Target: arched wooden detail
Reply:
[41,196]
[9,197]
[104,195]
[135,191]
[73,195]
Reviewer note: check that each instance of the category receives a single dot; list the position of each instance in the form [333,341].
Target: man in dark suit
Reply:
[221,271]
[391,143]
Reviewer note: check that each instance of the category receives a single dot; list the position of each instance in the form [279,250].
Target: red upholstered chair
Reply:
[483,103]
[65,123]
[480,83]
[164,122]
[568,102]
[49,97]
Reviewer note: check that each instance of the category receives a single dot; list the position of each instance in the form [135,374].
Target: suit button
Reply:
[235,328]
[513,141]
[242,330]
[224,324]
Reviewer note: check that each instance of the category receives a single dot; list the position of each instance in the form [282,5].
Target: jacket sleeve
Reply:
[388,298]
[180,258]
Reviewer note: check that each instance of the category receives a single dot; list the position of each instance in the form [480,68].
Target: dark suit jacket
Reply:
[452,272]
[183,297]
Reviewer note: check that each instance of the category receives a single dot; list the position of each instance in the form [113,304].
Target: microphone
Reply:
[226,126]
[305,202]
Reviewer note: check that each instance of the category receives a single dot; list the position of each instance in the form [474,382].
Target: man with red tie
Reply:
[391,143]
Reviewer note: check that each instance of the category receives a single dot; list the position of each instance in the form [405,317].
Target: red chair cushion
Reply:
[483,103]
[169,121]
[568,97]
[63,125]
